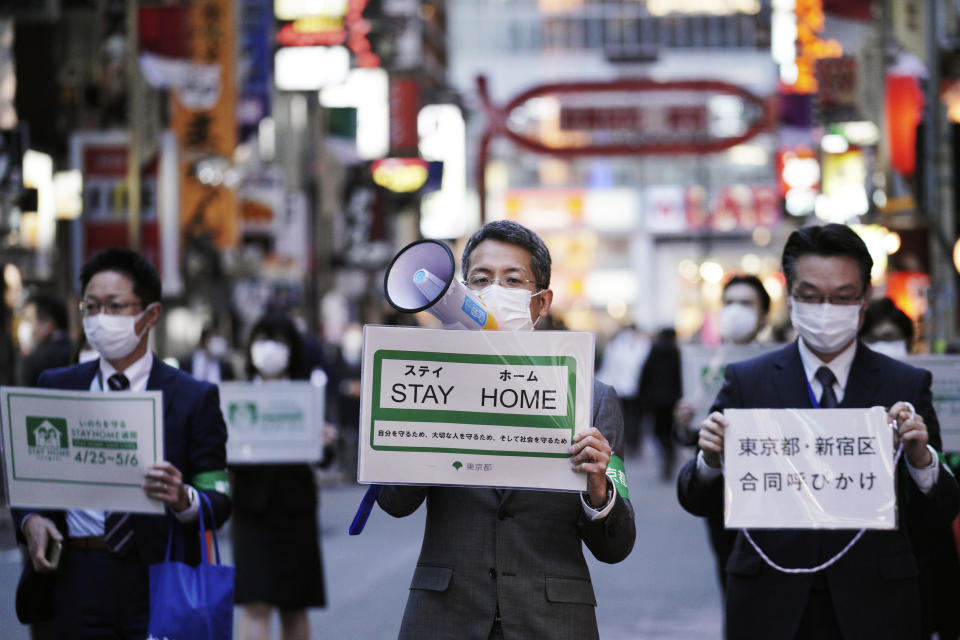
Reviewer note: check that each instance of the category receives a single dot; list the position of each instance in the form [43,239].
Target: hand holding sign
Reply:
[711,438]
[590,454]
[913,431]
[164,482]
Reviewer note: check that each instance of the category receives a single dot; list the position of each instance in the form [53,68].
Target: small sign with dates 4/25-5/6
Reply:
[476,408]
[80,449]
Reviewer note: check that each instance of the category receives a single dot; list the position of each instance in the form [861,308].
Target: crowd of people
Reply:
[496,562]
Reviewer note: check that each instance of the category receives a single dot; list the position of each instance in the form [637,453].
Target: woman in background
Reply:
[274,525]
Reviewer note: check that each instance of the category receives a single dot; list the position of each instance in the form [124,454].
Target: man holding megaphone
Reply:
[509,563]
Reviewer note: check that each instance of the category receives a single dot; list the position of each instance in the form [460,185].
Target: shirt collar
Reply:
[840,365]
[137,373]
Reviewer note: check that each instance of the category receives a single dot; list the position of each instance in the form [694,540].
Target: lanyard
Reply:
[813,398]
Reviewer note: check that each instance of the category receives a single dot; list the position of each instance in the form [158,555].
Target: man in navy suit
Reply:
[102,586]
[872,591]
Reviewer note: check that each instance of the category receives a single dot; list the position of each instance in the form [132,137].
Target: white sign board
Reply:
[474,408]
[946,395]
[703,369]
[272,422]
[809,469]
[80,449]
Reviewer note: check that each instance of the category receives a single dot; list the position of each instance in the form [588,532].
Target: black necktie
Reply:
[118,382]
[117,527]
[828,399]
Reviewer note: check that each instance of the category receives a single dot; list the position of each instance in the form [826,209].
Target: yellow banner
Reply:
[203,117]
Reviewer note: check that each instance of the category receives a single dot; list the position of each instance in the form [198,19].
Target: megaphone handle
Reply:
[363,511]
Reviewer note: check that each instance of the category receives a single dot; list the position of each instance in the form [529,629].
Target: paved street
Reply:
[664,590]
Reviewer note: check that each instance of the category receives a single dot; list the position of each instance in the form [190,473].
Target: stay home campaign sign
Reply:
[474,408]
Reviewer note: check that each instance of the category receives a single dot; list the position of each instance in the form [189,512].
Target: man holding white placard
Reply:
[871,590]
[509,563]
[101,587]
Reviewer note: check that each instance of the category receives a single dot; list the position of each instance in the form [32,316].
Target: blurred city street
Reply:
[665,589]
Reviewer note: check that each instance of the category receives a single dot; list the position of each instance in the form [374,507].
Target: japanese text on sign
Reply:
[809,468]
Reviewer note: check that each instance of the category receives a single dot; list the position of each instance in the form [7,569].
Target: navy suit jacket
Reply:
[194,441]
[874,586]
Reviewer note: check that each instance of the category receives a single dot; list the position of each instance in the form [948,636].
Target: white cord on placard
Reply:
[843,552]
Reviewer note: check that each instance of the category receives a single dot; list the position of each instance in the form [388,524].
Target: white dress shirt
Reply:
[89,522]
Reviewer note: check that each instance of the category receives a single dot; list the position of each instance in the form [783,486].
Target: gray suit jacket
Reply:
[521,549]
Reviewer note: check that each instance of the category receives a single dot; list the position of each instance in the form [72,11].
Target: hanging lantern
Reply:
[904,109]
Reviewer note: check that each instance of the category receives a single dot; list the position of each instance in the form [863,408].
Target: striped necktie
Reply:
[117,526]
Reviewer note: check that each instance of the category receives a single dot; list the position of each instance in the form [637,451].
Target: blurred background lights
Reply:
[688,270]
[751,263]
[711,271]
[617,308]
[891,242]
[761,236]
[833,143]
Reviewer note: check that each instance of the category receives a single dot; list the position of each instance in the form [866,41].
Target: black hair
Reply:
[50,306]
[516,234]
[146,280]
[752,281]
[279,327]
[883,310]
[828,240]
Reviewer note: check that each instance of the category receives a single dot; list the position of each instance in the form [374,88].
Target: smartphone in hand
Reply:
[52,554]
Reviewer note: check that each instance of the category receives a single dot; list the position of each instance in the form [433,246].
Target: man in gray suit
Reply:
[509,564]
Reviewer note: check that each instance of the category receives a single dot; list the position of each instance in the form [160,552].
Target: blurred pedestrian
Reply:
[8,351]
[620,368]
[746,306]
[660,388]
[210,361]
[44,341]
[886,329]
[871,589]
[275,535]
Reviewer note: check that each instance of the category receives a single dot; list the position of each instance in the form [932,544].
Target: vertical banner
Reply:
[204,119]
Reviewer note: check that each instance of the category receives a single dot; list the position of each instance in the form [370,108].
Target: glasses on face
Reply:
[112,308]
[478,281]
[809,298]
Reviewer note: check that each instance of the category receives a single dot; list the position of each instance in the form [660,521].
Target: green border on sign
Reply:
[13,458]
[478,418]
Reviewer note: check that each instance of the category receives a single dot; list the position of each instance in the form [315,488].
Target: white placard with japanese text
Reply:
[273,422]
[703,368]
[475,408]
[809,469]
[946,395]
[80,449]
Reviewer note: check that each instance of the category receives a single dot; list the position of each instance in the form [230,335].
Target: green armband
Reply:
[212,481]
[945,462]
[616,473]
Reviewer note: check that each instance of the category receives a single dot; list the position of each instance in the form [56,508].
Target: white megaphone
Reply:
[420,278]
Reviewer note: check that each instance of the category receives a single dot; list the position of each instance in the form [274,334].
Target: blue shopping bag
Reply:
[191,603]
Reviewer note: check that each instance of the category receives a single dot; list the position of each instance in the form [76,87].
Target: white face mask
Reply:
[113,337]
[217,346]
[270,357]
[893,348]
[738,323]
[25,336]
[826,328]
[511,307]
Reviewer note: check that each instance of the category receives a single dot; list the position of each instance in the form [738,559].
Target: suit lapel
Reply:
[861,383]
[83,377]
[790,381]
[161,375]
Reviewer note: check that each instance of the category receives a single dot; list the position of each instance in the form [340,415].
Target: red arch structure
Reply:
[498,122]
